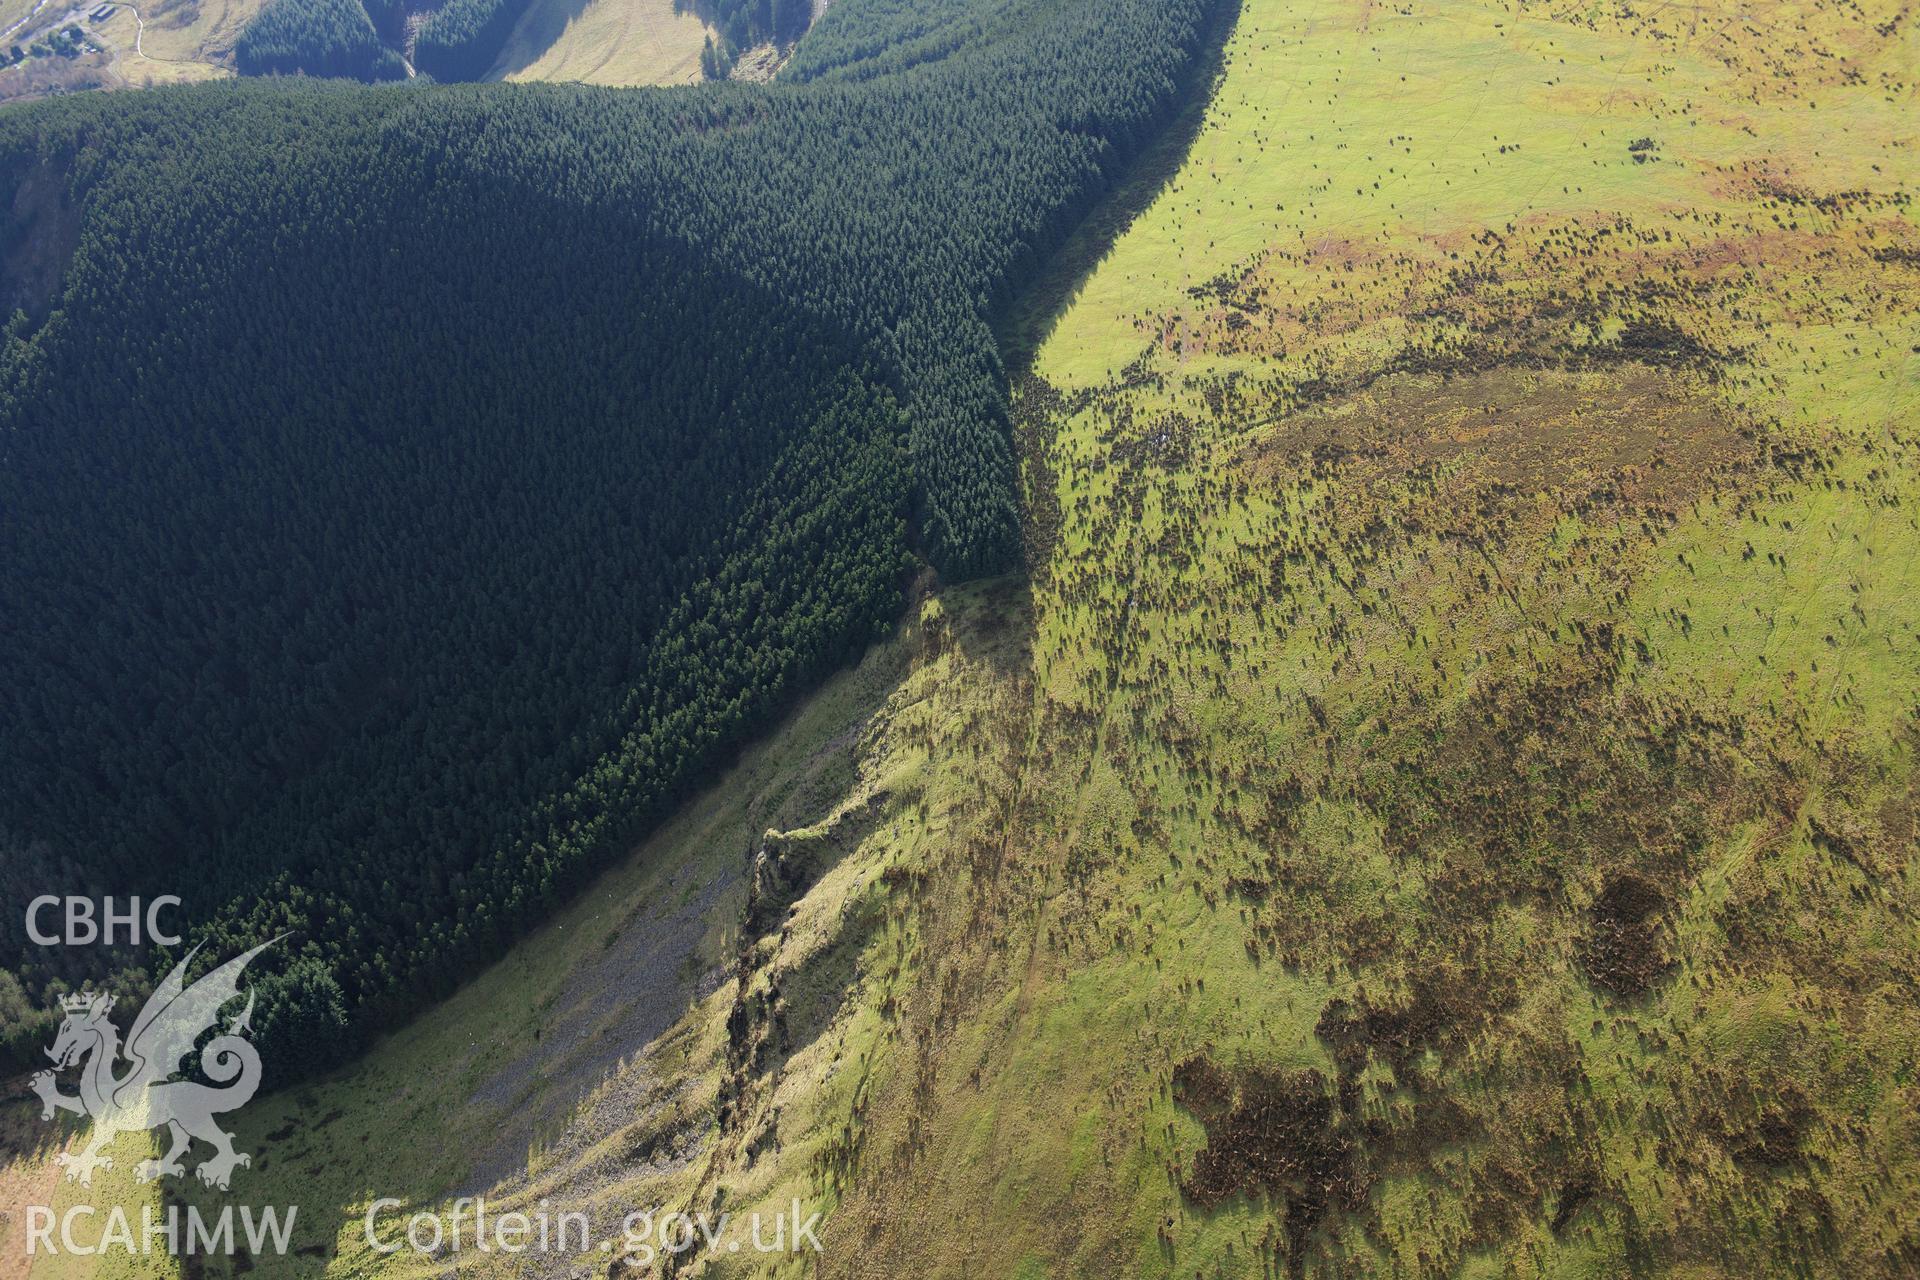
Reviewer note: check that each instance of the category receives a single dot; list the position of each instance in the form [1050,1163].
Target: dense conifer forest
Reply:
[463,37]
[744,23]
[316,37]
[408,492]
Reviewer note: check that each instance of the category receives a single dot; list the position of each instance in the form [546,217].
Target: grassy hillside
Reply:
[1468,820]
[1466,823]
[604,42]
[1444,800]
[182,39]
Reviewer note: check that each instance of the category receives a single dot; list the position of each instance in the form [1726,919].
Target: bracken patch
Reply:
[1623,951]
[1276,1133]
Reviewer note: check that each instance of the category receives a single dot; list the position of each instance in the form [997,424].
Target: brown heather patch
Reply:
[1277,1134]
[1633,435]
[1623,950]
[1582,292]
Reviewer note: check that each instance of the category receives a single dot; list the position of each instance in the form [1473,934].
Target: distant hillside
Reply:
[630,42]
[614,42]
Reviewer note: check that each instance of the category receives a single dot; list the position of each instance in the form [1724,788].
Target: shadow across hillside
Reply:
[1026,323]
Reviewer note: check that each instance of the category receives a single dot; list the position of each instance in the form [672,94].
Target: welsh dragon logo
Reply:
[144,1097]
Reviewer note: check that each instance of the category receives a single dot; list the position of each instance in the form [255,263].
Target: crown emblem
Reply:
[85,1001]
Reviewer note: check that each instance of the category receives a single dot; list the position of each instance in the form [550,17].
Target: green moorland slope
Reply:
[1443,802]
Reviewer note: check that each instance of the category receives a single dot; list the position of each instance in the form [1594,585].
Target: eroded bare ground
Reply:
[589,1065]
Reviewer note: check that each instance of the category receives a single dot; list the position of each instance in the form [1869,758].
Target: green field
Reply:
[1443,803]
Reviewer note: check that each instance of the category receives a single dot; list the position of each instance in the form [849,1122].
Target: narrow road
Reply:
[140,27]
[140,33]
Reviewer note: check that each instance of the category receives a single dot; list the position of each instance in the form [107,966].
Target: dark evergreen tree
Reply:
[464,37]
[316,38]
